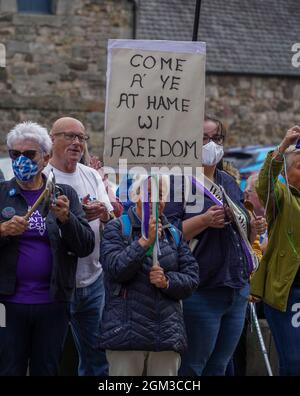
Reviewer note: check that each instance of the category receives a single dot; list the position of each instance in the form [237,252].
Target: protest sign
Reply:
[155,103]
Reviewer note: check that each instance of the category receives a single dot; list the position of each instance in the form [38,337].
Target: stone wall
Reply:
[56,66]
[256,110]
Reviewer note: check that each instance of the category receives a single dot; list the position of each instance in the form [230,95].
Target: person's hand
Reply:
[146,243]
[253,299]
[215,217]
[98,166]
[95,162]
[61,209]
[17,225]
[291,137]
[260,225]
[96,210]
[157,277]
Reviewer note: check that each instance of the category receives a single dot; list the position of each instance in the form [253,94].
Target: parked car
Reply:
[248,160]
[6,168]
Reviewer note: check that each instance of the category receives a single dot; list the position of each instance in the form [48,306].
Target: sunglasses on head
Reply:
[14,154]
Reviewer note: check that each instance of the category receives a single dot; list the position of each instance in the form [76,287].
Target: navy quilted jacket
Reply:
[138,315]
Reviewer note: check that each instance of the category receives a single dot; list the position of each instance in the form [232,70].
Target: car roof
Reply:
[248,149]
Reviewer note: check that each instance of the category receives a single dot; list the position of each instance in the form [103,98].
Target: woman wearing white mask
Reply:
[215,313]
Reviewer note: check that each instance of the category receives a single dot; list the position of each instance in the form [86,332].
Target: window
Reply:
[35,7]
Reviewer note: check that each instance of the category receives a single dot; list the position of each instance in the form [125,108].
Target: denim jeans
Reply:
[285,328]
[238,363]
[86,312]
[214,320]
[33,338]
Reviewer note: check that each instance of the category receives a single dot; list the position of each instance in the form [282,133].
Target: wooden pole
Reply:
[44,194]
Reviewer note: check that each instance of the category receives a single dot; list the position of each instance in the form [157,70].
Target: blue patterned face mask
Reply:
[24,168]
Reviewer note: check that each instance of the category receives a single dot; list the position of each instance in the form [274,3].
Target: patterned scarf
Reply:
[219,196]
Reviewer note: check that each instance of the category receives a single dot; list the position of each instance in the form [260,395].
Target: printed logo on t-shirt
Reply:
[87,199]
[37,222]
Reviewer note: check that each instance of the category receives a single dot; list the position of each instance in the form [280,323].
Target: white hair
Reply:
[290,154]
[135,189]
[31,131]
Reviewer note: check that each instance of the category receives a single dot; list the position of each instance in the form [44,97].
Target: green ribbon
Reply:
[150,250]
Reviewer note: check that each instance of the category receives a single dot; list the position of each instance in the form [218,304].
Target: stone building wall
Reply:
[56,65]
[256,110]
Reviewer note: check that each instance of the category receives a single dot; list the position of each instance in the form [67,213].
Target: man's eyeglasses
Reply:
[218,139]
[14,154]
[71,136]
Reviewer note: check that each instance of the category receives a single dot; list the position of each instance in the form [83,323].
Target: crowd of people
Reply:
[171,300]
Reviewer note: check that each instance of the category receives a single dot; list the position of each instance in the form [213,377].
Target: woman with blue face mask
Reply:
[38,258]
[214,314]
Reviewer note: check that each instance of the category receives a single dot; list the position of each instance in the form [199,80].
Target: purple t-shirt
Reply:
[35,259]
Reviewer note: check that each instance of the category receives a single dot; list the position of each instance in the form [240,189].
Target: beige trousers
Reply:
[137,363]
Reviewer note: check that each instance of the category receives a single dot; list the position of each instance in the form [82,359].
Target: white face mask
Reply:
[212,153]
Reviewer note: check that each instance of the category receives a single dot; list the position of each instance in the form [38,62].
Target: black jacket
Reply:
[68,241]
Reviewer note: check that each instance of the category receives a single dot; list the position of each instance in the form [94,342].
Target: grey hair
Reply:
[290,154]
[32,131]
[135,189]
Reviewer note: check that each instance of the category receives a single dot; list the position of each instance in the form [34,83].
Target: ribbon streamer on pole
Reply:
[155,199]
[153,250]
[145,209]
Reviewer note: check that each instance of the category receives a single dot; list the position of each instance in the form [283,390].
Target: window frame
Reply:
[35,7]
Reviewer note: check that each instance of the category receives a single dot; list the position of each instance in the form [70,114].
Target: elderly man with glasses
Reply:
[69,137]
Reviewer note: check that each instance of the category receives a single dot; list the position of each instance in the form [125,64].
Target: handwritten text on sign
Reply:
[155,103]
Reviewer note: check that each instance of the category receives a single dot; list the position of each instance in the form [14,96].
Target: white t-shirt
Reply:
[85,181]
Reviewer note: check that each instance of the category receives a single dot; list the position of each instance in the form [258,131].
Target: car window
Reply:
[5,167]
